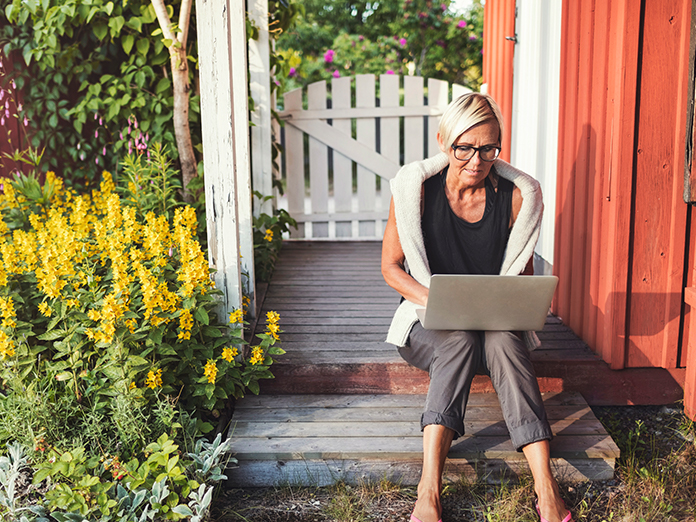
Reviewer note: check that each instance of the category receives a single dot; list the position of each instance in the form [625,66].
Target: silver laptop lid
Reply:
[487,302]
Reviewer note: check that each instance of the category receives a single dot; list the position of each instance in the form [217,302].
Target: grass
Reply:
[655,480]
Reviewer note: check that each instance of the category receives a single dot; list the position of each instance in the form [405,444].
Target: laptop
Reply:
[487,302]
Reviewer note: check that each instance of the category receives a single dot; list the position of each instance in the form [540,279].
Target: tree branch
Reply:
[164,21]
[184,18]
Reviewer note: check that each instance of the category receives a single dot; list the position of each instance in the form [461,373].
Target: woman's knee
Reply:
[504,346]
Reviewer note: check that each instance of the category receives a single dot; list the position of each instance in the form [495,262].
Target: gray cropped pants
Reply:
[452,358]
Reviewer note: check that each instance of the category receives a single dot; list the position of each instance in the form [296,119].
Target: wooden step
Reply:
[316,440]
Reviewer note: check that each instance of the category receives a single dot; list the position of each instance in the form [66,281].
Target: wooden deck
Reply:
[345,406]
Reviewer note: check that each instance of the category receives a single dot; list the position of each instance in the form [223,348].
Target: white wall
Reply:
[535,101]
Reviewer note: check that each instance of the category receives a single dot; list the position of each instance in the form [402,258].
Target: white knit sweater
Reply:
[406,192]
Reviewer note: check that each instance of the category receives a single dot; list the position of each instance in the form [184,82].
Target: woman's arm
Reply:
[516,206]
[393,265]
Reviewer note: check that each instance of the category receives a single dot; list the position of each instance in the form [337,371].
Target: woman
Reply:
[466,212]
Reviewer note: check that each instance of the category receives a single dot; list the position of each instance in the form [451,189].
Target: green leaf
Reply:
[211,331]
[162,86]
[100,30]
[109,8]
[127,43]
[254,387]
[143,46]
[182,510]
[201,316]
[116,24]
[135,23]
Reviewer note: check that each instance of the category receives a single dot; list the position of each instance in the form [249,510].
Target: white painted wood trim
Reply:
[219,152]
[413,125]
[342,216]
[242,165]
[260,89]
[343,165]
[346,145]
[318,164]
[359,112]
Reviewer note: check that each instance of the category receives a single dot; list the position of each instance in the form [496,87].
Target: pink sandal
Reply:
[414,519]
[568,517]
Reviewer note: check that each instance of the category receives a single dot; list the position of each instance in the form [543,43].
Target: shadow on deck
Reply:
[335,311]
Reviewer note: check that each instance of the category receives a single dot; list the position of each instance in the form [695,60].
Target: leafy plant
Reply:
[268,238]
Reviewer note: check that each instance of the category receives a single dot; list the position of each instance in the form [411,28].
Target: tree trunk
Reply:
[182,131]
[181,88]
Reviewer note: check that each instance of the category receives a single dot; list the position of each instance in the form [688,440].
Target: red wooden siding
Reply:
[499,23]
[621,225]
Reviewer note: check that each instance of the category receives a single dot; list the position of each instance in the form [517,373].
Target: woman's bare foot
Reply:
[428,505]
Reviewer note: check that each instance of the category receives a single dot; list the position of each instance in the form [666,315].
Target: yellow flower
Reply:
[131,324]
[94,315]
[154,379]
[210,370]
[237,316]
[185,324]
[269,235]
[132,385]
[6,346]
[272,317]
[45,309]
[70,303]
[8,312]
[257,356]
[246,301]
[229,354]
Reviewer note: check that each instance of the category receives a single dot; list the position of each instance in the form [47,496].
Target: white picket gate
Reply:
[368,139]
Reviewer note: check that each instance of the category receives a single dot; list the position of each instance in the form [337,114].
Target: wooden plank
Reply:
[390,141]
[294,157]
[467,447]
[486,428]
[366,135]
[438,94]
[343,171]
[413,125]
[225,144]
[386,401]
[458,90]
[320,473]
[260,92]
[329,415]
[318,164]
[384,111]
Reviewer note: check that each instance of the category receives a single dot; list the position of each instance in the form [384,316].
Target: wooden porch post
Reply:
[260,87]
[224,114]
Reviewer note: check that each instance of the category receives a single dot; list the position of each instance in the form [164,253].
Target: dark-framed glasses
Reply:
[466,152]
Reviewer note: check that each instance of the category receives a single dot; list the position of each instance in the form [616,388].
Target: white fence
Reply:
[341,151]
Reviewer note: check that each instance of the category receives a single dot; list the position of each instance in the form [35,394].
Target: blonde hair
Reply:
[466,111]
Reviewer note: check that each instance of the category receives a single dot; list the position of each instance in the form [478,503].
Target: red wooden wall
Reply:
[499,23]
[621,229]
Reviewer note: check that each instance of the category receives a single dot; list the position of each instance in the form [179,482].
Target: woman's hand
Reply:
[393,265]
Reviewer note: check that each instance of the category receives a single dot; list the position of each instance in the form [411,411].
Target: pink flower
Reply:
[20,107]
[104,151]
[96,160]
[135,123]
[329,56]
[461,24]
[473,38]
[26,121]
[390,71]
[2,121]
[292,72]
[444,7]
[402,42]
[96,133]
[14,85]
[96,117]
[78,146]
[421,15]
[361,38]
[101,121]
[120,135]
[82,156]
[2,94]
[336,74]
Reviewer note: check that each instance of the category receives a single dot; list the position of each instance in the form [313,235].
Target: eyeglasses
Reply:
[466,152]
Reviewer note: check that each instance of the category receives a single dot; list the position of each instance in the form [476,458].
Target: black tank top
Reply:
[455,246]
